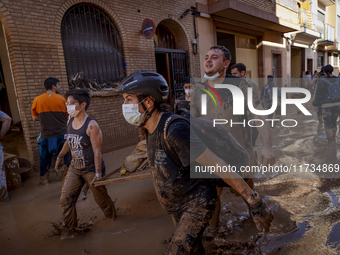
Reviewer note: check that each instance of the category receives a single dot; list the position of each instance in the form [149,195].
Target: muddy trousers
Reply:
[74,181]
[191,223]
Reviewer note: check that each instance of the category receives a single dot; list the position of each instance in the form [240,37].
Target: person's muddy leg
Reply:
[69,196]
[193,221]
[330,135]
[327,118]
[45,164]
[101,197]
[320,115]
[214,222]
[85,192]
[334,133]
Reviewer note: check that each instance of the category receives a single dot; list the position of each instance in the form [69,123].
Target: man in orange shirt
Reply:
[50,109]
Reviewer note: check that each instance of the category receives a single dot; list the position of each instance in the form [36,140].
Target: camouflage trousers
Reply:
[191,223]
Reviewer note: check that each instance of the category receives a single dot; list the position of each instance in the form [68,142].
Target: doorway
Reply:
[310,65]
[277,69]
[295,64]
[228,41]
[173,66]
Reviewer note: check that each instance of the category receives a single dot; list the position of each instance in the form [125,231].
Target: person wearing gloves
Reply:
[184,101]
[191,202]
[84,140]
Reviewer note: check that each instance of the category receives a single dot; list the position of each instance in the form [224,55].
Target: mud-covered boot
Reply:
[330,135]
[44,179]
[66,234]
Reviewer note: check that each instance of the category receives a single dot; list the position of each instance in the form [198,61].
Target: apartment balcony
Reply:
[288,13]
[259,15]
[327,36]
[308,32]
[289,4]
[334,47]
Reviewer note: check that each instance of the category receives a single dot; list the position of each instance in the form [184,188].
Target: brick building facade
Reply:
[32,30]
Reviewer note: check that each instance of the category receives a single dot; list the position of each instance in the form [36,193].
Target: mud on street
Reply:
[305,207]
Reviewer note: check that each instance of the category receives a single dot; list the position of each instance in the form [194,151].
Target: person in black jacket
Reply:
[330,109]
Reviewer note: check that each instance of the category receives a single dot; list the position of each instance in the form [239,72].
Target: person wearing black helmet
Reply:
[191,202]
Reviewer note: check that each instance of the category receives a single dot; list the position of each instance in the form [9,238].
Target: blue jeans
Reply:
[49,147]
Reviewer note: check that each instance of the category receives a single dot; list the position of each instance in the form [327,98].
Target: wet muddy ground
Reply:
[305,206]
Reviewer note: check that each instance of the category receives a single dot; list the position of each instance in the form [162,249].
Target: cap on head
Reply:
[146,83]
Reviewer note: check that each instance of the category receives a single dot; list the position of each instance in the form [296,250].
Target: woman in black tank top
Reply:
[84,140]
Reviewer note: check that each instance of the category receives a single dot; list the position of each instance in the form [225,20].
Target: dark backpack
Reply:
[333,90]
[217,139]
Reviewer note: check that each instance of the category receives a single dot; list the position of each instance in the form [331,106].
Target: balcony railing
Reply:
[337,46]
[289,4]
[306,18]
[329,33]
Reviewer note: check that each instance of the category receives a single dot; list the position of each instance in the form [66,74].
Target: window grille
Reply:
[163,38]
[92,45]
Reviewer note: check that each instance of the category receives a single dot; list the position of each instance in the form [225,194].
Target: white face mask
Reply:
[132,115]
[189,92]
[215,76]
[71,110]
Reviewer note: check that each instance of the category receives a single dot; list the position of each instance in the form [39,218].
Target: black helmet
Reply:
[146,83]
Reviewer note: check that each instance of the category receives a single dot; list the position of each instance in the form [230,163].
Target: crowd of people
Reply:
[75,138]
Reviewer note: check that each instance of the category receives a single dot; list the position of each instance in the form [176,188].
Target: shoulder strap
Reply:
[70,121]
[171,152]
[325,79]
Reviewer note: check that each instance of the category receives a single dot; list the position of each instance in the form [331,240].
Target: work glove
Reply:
[58,164]
[96,178]
[262,216]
